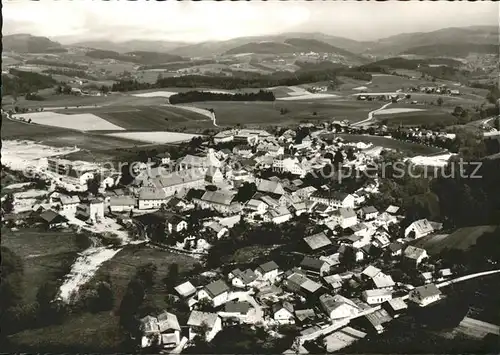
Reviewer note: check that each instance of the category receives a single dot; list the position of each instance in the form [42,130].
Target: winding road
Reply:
[371,114]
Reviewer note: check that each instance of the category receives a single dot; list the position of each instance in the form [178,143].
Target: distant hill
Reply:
[139,57]
[406,42]
[293,45]
[25,43]
[131,46]
[403,63]
[453,50]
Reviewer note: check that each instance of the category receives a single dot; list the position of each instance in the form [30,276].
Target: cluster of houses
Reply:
[313,294]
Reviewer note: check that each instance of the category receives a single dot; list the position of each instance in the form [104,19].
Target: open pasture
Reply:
[461,239]
[417,118]
[79,121]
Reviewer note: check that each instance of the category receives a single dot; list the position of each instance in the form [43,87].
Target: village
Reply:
[340,283]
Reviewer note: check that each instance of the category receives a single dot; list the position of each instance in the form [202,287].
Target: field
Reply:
[462,239]
[155,137]
[81,121]
[268,113]
[101,332]
[410,149]
[47,255]
[417,118]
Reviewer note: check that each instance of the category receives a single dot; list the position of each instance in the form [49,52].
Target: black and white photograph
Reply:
[250,177]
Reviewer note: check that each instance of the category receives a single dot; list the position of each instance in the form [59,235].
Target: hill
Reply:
[139,57]
[453,50]
[131,46]
[264,47]
[20,82]
[25,43]
[479,35]
[403,63]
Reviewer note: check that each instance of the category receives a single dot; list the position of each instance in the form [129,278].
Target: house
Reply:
[221,201]
[217,229]
[304,192]
[334,281]
[69,205]
[214,176]
[376,296]
[162,158]
[277,215]
[413,256]
[53,219]
[342,199]
[174,183]
[242,279]
[185,289]
[243,149]
[169,328]
[382,281]
[368,213]
[151,197]
[237,309]
[395,249]
[216,291]
[395,307]
[175,223]
[257,206]
[392,209]
[268,271]
[376,320]
[269,186]
[345,217]
[122,203]
[381,240]
[318,242]
[193,161]
[419,229]
[370,272]
[338,307]
[426,277]
[148,325]
[283,313]
[91,211]
[210,322]
[314,266]
[424,295]
[306,316]
[444,273]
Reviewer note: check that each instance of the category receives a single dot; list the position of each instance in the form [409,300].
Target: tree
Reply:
[339,158]
[172,277]
[350,154]
[439,101]
[8,203]
[94,184]
[11,269]
[146,273]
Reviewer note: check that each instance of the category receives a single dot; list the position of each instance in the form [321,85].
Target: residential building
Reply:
[214,176]
[395,307]
[338,307]
[334,281]
[268,271]
[382,281]
[318,242]
[425,295]
[395,249]
[53,219]
[283,313]
[185,289]
[368,213]
[221,201]
[151,198]
[314,266]
[345,217]
[198,319]
[122,203]
[413,256]
[376,296]
[91,211]
[216,291]
[175,223]
[69,204]
[193,161]
[256,206]
[377,319]
[286,164]
[277,215]
[419,229]
[169,329]
[269,186]
[183,180]
[243,279]
[304,192]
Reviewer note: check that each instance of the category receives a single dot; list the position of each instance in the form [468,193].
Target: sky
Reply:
[187,21]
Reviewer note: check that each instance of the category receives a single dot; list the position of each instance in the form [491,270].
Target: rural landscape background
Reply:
[428,96]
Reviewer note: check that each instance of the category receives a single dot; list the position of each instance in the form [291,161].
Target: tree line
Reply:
[22,82]
[194,96]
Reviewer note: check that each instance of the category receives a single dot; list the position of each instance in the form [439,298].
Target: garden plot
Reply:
[155,137]
[391,111]
[166,94]
[81,122]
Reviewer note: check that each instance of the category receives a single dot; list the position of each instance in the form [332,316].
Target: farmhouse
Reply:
[92,210]
[122,203]
[278,215]
[183,180]
[368,213]
[413,256]
[345,217]
[318,242]
[242,279]
[269,186]
[217,292]
[315,267]
[268,271]
[53,219]
[424,295]
[395,307]
[419,229]
[69,205]
[283,313]
[221,201]
[338,307]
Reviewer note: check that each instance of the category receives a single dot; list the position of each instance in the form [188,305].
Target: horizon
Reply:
[191,23]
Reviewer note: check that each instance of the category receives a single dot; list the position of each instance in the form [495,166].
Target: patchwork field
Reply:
[81,122]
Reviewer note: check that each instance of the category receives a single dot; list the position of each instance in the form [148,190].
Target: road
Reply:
[485,122]
[341,323]
[371,114]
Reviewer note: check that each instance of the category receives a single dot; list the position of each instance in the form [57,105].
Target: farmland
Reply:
[417,118]
[47,255]
[461,239]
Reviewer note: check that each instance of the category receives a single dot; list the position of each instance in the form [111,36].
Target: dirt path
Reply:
[371,114]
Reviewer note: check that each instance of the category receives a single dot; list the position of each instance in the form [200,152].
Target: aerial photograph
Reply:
[219,177]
